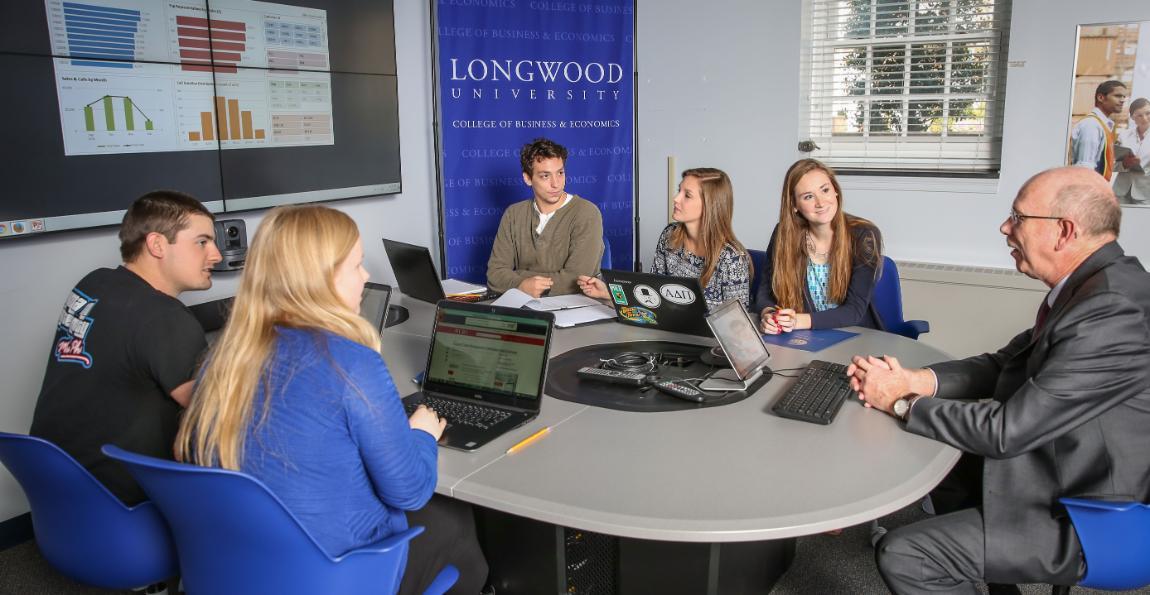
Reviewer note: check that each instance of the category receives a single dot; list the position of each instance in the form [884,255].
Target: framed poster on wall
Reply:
[1110,107]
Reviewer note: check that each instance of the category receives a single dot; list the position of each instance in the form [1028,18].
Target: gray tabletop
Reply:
[730,473]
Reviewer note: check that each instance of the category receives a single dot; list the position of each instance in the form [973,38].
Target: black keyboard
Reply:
[817,395]
[460,413]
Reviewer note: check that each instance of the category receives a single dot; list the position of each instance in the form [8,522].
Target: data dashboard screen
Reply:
[241,103]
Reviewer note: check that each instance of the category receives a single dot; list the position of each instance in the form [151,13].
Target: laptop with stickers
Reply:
[667,303]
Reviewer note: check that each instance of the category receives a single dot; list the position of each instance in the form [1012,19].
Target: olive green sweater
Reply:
[571,245]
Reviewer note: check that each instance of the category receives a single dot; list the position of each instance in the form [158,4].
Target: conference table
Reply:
[705,500]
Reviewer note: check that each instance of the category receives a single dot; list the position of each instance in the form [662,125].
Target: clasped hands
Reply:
[880,381]
[778,320]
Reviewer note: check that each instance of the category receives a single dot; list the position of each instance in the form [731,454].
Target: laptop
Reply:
[485,371]
[742,345]
[667,303]
[373,306]
[414,270]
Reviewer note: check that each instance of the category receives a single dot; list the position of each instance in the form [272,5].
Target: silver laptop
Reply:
[742,344]
[373,307]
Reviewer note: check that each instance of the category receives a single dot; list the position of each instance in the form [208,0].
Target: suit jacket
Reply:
[1069,415]
[858,308]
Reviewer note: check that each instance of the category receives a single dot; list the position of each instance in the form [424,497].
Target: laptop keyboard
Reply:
[460,413]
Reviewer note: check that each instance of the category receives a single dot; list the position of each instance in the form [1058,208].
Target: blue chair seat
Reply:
[81,528]
[234,535]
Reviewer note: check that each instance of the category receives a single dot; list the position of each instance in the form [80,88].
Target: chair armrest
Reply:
[384,545]
[921,326]
[1099,504]
[443,581]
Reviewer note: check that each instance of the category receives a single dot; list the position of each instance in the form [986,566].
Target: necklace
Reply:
[810,246]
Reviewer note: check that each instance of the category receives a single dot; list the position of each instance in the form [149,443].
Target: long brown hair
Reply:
[289,280]
[715,230]
[790,258]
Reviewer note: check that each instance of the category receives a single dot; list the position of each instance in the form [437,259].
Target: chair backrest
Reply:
[759,263]
[1115,539]
[887,301]
[235,536]
[81,528]
[605,263]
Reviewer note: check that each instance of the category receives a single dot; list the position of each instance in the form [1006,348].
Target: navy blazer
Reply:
[856,309]
[1068,415]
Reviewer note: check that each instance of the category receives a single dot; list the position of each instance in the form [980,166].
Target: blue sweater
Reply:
[335,445]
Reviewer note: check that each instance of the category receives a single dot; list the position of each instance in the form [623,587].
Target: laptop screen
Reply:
[739,338]
[489,352]
[373,307]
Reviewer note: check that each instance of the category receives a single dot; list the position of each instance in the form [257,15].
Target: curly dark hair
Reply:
[539,149]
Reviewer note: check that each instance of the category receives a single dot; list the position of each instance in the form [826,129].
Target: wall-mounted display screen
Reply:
[243,104]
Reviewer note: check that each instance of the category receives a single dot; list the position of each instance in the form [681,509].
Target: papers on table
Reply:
[574,316]
[569,310]
[515,298]
[457,287]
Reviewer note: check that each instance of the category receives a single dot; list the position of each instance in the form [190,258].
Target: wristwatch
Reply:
[900,408]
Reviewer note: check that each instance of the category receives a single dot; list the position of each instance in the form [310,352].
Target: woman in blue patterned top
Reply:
[821,263]
[700,243]
[295,393]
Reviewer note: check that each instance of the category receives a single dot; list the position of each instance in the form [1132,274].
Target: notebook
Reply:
[667,303]
[485,371]
[416,276]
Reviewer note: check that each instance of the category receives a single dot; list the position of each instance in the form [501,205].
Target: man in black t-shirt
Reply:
[126,349]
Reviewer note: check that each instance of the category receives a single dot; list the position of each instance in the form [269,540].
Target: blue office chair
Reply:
[81,528]
[887,300]
[1115,539]
[235,536]
[759,263]
[606,262]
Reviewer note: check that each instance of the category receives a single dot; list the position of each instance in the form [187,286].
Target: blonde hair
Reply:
[289,281]
[788,279]
[715,229]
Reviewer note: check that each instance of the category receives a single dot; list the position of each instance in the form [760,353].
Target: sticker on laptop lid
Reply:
[677,294]
[647,296]
[618,294]
[638,315]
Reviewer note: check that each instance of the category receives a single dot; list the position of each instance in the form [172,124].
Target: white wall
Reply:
[39,272]
[719,86]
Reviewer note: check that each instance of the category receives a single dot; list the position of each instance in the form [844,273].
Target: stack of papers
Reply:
[569,310]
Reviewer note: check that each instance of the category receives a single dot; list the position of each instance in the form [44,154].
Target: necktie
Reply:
[1040,320]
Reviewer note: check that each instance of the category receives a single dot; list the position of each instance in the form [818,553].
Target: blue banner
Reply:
[514,70]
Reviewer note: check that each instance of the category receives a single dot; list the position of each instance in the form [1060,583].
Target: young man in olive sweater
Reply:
[546,242]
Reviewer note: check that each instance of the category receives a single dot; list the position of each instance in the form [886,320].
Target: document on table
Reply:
[457,287]
[515,298]
[574,316]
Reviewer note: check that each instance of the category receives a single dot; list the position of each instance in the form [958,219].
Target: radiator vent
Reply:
[933,272]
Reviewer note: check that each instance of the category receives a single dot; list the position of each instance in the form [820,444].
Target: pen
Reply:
[528,440]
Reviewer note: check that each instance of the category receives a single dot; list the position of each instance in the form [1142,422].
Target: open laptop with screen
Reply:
[739,337]
[485,371]
[373,306]
[667,303]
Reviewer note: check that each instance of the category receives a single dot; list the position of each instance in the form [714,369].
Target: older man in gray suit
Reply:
[1064,409]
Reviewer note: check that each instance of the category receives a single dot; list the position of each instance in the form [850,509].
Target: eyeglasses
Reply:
[1016,218]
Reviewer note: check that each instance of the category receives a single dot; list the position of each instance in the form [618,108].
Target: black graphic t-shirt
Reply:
[121,347]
